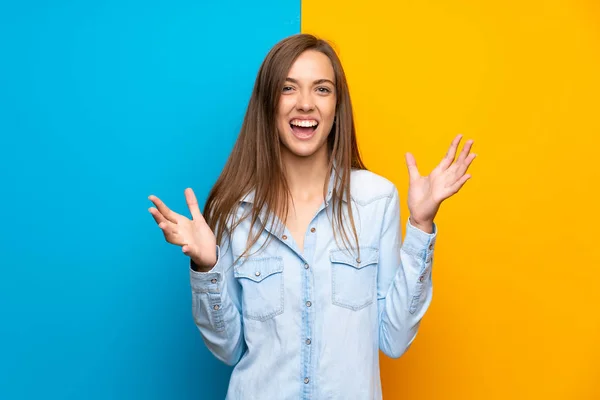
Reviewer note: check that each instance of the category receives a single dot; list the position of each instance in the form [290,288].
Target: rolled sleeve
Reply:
[216,307]
[404,283]
[209,281]
[418,243]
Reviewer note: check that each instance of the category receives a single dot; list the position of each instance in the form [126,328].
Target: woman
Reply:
[298,271]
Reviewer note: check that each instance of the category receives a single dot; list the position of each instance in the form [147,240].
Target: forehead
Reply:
[312,65]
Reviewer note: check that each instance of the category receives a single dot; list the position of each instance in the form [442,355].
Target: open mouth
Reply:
[304,128]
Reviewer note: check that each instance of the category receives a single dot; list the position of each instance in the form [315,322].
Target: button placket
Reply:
[308,292]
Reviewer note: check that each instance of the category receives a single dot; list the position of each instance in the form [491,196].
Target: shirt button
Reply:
[306,380]
[312,230]
[284,237]
[216,307]
[358,260]
[257,273]
[308,304]
[306,266]
[308,341]
[421,278]
[431,246]
[213,281]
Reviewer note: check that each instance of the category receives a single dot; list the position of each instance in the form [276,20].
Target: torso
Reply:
[303,306]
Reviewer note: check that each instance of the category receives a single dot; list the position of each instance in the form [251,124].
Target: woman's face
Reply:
[306,108]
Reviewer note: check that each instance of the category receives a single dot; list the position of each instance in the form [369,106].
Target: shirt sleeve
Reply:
[404,285]
[216,307]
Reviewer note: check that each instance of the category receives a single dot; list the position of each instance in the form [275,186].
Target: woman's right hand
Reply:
[194,236]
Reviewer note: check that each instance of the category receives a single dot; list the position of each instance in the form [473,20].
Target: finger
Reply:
[168,227]
[465,151]
[192,203]
[449,159]
[459,184]
[464,166]
[164,210]
[411,164]
[186,249]
[158,217]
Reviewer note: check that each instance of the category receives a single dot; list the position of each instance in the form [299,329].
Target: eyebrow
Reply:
[317,82]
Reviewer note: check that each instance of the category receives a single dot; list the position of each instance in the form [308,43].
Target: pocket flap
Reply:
[368,256]
[257,269]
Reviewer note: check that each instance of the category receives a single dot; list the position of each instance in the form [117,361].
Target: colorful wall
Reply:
[104,103]
[517,271]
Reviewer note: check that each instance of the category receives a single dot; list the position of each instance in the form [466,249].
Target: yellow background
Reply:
[515,313]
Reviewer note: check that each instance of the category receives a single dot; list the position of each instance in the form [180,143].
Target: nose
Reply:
[305,102]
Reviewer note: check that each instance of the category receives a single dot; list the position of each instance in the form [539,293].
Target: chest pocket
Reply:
[261,279]
[353,279]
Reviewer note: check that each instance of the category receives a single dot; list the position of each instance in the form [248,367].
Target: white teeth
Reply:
[305,123]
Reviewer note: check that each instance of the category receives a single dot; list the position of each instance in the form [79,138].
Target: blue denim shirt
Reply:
[309,325]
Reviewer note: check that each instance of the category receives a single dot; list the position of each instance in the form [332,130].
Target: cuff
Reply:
[419,243]
[207,281]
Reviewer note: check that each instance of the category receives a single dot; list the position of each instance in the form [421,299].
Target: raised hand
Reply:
[426,193]
[194,235]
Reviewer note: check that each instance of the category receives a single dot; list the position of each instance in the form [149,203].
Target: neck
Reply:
[306,175]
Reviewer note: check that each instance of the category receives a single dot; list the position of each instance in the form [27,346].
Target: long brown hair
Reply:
[255,163]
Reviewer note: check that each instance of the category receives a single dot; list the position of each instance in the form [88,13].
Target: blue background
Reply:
[101,105]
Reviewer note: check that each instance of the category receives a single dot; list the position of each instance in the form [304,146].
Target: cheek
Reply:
[286,105]
[283,114]
[328,110]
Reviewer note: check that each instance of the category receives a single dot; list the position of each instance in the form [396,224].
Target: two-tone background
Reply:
[104,103]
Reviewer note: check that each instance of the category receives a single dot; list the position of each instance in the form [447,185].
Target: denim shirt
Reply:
[309,324]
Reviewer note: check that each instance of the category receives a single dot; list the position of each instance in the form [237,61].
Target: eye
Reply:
[287,89]
[323,89]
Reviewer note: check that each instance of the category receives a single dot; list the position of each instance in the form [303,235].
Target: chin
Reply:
[303,151]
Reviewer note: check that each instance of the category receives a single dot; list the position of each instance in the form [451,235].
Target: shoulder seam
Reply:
[372,199]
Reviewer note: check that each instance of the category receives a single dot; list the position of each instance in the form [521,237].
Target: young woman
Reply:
[298,271]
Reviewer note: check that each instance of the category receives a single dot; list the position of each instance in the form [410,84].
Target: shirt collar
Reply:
[249,197]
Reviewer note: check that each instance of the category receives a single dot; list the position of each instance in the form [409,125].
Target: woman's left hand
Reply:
[426,193]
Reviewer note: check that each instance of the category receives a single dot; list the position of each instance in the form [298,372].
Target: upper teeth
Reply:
[304,122]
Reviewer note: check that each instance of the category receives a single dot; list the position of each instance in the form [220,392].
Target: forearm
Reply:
[409,293]
[215,312]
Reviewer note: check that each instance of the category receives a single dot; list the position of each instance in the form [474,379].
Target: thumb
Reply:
[411,164]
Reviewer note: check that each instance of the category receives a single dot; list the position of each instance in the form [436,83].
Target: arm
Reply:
[404,286]
[216,307]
